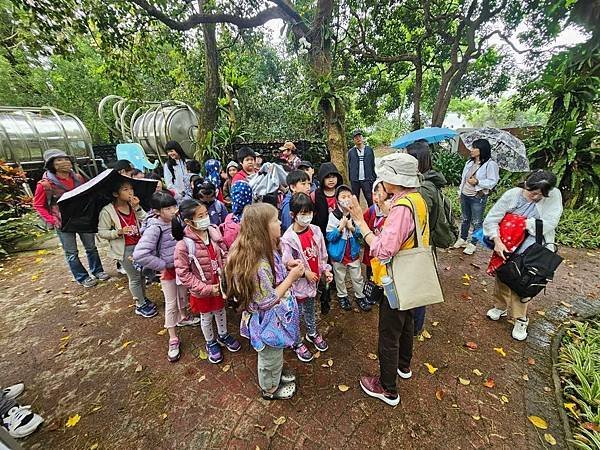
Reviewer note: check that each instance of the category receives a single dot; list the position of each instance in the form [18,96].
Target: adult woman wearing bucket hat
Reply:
[59,178]
[400,177]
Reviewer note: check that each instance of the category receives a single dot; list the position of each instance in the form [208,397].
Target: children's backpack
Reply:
[191,248]
[443,230]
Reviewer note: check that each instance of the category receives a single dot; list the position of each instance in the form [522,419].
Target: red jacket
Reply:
[47,192]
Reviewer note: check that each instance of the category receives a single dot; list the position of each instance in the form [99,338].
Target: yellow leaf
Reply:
[73,420]
[163,416]
[549,439]
[42,252]
[525,377]
[500,350]
[126,343]
[343,387]
[202,378]
[426,334]
[139,368]
[226,367]
[330,362]
[372,356]
[538,422]
[435,324]
[477,372]
[571,407]
[94,446]
[504,399]
[162,332]
[65,338]
[420,338]
[439,394]
[464,381]
[39,260]
[467,277]
[202,354]
[541,313]
[280,420]
[431,369]
[34,277]
[477,417]
[317,355]
[466,284]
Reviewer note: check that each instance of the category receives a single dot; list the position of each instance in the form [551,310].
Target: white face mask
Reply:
[344,204]
[202,224]
[304,220]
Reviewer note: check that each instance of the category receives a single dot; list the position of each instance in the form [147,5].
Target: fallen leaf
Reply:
[434,324]
[34,277]
[467,277]
[466,283]
[471,345]
[426,334]
[126,343]
[447,268]
[489,383]
[330,362]
[439,394]
[420,338]
[547,389]
[163,416]
[202,354]
[530,361]
[541,313]
[549,439]
[317,355]
[466,296]
[96,408]
[202,378]
[538,422]
[525,377]
[73,420]
[280,420]
[325,365]
[42,252]
[343,387]
[477,417]
[566,305]
[162,332]
[260,427]
[431,369]
[477,372]
[504,399]
[139,368]
[464,381]
[572,408]
[591,426]
[500,350]
[65,338]
[94,446]
[226,367]
[372,356]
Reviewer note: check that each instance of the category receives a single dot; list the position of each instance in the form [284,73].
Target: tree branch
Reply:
[196,19]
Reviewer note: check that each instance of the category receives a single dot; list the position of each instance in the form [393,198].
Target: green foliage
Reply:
[449,163]
[385,130]
[501,114]
[579,368]
[579,227]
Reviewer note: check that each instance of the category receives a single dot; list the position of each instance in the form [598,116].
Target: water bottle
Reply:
[390,291]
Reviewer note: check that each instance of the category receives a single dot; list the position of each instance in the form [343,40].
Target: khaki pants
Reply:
[270,365]
[339,273]
[507,299]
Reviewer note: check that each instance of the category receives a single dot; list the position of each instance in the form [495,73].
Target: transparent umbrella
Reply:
[507,150]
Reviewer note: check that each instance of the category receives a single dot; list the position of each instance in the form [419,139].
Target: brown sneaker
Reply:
[372,387]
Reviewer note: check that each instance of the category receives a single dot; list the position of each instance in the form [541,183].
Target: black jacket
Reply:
[369,163]
[321,215]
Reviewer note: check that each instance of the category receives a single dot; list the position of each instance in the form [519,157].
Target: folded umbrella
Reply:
[507,150]
[80,208]
[431,135]
[267,180]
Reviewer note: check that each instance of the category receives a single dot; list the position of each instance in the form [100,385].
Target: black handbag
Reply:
[373,293]
[529,272]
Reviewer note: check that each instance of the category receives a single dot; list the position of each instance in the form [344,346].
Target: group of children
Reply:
[193,224]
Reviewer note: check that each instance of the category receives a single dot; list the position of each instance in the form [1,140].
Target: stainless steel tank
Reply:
[153,124]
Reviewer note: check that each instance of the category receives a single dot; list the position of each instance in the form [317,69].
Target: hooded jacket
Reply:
[109,226]
[156,246]
[292,249]
[321,216]
[337,242]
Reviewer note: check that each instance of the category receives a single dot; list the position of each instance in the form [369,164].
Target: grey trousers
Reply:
[137,285]
[270,364]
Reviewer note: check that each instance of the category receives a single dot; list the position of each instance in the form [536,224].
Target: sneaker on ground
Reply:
[232,344]
[496,313]
[303,353]
[460,242]
[283,392]
[372,387]
[363,304]
[173,354]
[214,352]
[519,331]
[147,310]
[287,376]
[405,374]
[13,391]
[192,321]
[102,276]
[345,303]
[470,249]
[120,269]
[318,341]
[89,282]
[150,303]
[20,421]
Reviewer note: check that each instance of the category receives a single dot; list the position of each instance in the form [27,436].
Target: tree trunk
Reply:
[336,136]
[209,112]
[417,91]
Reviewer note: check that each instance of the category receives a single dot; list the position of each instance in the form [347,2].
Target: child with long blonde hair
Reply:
[260,282]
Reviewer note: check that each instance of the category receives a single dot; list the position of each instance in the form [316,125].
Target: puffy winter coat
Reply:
[186,270]
[230,229]
[156,247]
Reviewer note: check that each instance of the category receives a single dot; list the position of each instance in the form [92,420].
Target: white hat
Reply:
[399,169]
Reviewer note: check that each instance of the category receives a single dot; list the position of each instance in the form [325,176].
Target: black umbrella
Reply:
[80,208]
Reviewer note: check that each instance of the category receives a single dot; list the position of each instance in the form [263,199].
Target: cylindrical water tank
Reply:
[160,124]
[26,133]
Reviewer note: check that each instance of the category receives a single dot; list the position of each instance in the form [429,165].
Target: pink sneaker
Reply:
[372,387]
[303,353]
[318,341]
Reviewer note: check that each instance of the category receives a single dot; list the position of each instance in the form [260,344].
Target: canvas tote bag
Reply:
[414,272]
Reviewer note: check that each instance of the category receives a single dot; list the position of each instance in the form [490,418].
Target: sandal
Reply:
[283,392]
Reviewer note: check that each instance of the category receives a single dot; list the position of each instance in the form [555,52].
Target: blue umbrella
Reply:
[431,135]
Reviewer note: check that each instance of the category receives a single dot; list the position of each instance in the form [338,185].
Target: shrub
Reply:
[449,163]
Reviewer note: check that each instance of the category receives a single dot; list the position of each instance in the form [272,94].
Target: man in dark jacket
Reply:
[361,167]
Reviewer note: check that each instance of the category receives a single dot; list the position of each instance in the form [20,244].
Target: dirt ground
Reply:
[83,353]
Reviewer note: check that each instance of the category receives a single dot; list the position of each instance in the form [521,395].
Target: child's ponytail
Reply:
[187,208]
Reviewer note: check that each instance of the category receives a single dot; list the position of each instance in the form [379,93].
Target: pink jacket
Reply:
[292,249]
[230,229]
[186,270]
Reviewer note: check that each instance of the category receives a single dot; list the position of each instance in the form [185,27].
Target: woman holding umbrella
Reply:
[480,175]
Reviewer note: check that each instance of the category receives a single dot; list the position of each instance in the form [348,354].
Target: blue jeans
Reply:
[472,209]
[69,245]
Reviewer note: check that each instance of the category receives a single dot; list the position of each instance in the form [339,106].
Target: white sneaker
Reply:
[470,249]
[460,242]
[21,422]
[519,331]
[404,375]
[13,391]
[189,321]
[496,313]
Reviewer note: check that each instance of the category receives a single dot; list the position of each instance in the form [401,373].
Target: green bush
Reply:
[450,164]
[579,369]
[15,229]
